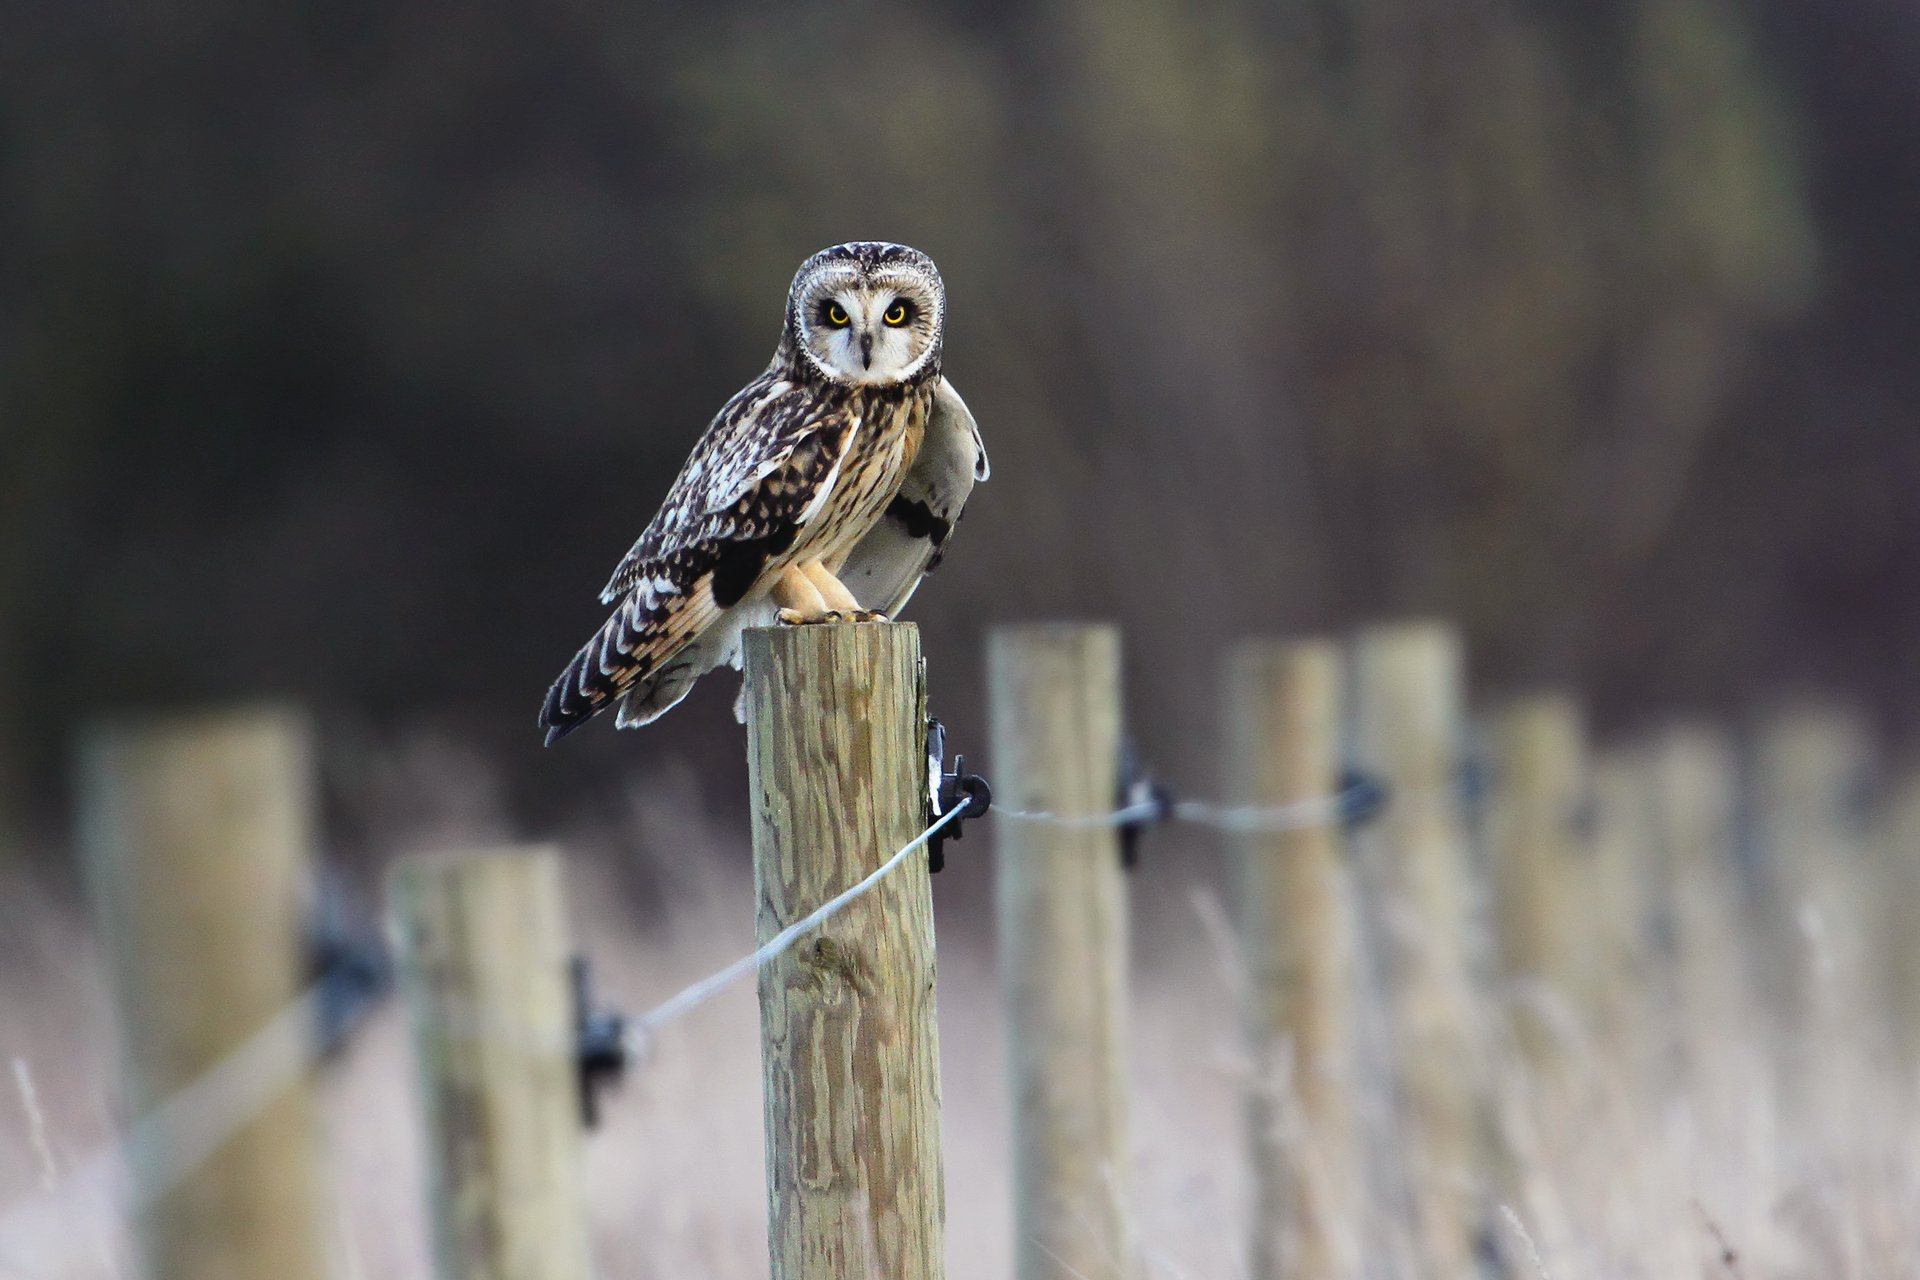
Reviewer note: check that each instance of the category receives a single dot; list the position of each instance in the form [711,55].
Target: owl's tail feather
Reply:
[653,697]
[644,659]
[598,675]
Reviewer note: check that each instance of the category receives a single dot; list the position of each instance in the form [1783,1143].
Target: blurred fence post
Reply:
[1694,795]
[1540,867]
[197,834]
[1283,708]
[1899,853]
[483,955]
[1408,695]
[836,743]
[1631,986]
[1812,763]
[1062,908]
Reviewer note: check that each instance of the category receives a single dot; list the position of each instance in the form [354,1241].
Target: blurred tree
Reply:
[351,345]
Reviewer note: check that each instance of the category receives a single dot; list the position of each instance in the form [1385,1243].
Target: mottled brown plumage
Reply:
[796,470]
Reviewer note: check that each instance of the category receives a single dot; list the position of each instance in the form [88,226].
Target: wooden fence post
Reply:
[1694,792]
[1408,695]
[1631,988]
[1812,761]
[1899,853]
[1283,711]
[1062,907]
[1540,867]
[836,742]
[483,967]
[197,834]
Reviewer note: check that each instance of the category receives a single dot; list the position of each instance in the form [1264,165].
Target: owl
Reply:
[824,490]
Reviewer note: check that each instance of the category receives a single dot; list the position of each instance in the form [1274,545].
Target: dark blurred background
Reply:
[344,347]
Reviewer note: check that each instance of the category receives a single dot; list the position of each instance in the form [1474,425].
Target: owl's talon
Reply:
[797,618]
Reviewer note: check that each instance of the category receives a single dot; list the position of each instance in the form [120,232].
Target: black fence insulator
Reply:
[600,1043]
[1475,783]
[349,965]
[949,789]
[1138,790]
[1363,797]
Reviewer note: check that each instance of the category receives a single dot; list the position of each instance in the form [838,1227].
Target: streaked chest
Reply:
[883,448]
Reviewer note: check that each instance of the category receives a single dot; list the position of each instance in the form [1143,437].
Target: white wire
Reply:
[177,1136]
[173,1139]
[1289,817]
[168,1143]
[1285,817]
[1117,818]
[705,989]
[1316,812]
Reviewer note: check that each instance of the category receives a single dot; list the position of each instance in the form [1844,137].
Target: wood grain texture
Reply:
[197,835]
[1408,695]
[483,969]
[1062,908]
[836,763]
[1283,708]
[1540,864]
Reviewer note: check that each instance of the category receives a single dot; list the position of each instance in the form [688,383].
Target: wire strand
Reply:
[171,1140]
[1117,818]
[1295,816]
[708,987]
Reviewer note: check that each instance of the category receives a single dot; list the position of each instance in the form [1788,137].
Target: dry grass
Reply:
[1685,1152]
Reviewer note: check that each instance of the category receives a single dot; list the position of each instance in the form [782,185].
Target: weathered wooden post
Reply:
[483,957]
[1062,906]
[836,742]
[1408,696]
[197,834]
[1283,711]
[1540,866]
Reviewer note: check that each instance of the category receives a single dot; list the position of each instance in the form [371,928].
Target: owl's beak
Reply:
[866,351]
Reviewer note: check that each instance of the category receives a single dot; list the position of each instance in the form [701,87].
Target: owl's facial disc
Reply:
[870,329]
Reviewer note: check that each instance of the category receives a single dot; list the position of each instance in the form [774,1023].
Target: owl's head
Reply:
[868,313]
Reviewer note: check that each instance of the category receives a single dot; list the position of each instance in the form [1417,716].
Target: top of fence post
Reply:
[1282,711]
[1408,696]
[836,743]
[197,832]
[1061,899]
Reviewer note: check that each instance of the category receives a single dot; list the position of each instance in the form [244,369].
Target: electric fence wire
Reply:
[177,1136]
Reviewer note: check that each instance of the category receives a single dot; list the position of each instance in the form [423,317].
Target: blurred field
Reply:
[1654,1157]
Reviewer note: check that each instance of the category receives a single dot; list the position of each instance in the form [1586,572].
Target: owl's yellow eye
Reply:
[896,314]
[837,316]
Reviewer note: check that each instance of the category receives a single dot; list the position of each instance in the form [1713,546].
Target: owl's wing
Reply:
[763,470]
[887,565]
[752,437]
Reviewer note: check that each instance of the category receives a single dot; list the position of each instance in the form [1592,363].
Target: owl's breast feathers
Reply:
[790,468]
[909,541]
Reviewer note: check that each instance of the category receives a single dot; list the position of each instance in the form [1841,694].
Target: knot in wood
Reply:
[829,958]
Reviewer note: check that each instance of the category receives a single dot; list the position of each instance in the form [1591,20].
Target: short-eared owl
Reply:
[827,487]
